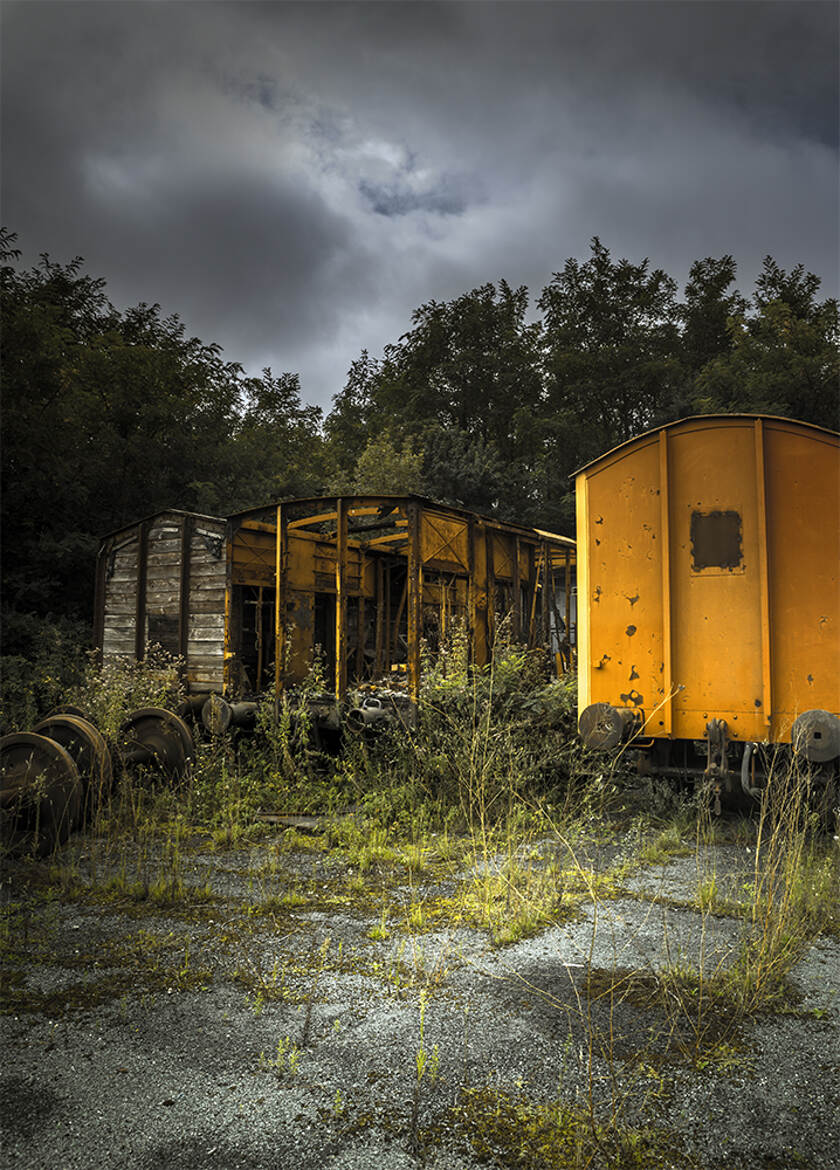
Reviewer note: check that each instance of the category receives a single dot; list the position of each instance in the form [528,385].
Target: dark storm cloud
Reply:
[295,179]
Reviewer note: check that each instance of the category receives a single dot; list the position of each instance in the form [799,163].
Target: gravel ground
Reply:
[143,1037]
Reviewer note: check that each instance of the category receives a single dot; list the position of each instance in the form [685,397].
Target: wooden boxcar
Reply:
[709,598]
[163,580]
[360,582]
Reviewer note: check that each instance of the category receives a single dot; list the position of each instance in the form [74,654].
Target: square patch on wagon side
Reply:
[716,541]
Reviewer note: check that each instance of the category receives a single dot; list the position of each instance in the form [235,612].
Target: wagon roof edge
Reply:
[775,418]
[161,512]
[408,497]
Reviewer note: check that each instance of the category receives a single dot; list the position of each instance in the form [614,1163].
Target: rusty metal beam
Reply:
[472,590]
[546,594]
[341,600]
[491,589]
[414,583]
[517,592]
[280,566]
[533,582]
[567,583]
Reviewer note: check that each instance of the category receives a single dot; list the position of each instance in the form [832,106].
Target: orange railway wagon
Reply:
[709,558]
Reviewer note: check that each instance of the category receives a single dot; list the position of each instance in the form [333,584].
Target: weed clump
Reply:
[509,1129]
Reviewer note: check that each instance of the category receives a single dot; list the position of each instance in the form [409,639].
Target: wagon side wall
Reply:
[708,570]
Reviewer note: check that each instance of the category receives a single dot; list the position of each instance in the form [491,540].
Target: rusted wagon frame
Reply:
[362,577]
[245,602]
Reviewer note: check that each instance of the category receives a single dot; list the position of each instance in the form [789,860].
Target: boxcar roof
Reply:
[386,498]
[612,453]
[162,512]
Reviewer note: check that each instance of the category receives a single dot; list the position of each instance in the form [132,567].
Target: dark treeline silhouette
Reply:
[110,415]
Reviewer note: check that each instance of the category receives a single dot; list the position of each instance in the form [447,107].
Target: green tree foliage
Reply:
[109,416]
[465,380]
[783,356]
[505,408]
[710,302]
[387,467]
[611,353]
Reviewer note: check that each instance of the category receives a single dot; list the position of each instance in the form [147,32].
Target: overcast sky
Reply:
[295,179]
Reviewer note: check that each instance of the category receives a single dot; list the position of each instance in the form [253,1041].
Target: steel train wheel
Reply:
[156,737]
[40,793]
[69,709]
[88,750]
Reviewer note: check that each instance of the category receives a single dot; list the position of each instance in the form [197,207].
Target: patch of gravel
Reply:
[158,1076]
[677,879]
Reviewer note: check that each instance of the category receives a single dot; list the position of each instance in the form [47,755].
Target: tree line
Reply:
[110,415]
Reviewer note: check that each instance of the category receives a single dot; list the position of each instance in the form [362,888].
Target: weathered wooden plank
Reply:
[113,650]
[167,563]
[163,546]
[161,592]
[213,570]
[120,638]
[206,623]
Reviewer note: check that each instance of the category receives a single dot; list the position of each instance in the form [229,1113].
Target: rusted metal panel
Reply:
[709,555]
[764,579]
[802,476]
[663,701]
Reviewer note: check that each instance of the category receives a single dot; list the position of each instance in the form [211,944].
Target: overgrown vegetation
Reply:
[487,817]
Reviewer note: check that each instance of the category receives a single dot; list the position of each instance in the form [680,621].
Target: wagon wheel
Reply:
[69,709]
[815,735]
[154,736]
[88,750]
[216,715]
[40,792]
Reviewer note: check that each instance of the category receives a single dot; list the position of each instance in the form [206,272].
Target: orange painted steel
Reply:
[709,577]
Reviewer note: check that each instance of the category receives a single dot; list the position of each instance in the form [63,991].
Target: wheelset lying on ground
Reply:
[53,778]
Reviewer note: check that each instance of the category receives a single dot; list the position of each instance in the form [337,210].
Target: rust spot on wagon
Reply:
[632,698]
